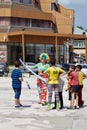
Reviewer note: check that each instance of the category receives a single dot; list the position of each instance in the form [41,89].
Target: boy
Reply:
[81,76]
[16,83]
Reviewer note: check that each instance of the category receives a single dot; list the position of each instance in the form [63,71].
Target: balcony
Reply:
[23,6]
[5,4]
[19,6]
[4,29]
[19,28]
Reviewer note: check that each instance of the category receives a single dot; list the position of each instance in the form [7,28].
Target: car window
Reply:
[30,64]
[2,63]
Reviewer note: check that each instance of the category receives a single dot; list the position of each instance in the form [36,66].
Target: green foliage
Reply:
[80,27]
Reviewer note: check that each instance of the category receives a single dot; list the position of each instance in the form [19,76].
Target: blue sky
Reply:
[80,8]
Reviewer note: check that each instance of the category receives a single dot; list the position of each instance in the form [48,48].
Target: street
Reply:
[34,116]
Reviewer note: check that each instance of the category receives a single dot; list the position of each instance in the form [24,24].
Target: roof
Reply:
[79,31]
[52,34]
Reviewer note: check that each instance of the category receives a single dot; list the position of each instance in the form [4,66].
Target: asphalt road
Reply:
[34,116]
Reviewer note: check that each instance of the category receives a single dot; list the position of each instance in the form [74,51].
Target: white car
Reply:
[29,64]
[84,70]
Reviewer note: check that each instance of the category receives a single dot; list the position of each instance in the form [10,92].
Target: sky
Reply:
[80,8]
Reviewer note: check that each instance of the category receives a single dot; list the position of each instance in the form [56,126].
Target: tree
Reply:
[80,27]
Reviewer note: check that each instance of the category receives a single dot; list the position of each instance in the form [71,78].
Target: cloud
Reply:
[68,2]
[80,8]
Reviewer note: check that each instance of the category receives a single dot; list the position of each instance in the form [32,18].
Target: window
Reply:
[7,0]
[4,21]
[79,44]
[36,1]
[27,1]
[53,6]
[2,0]
[41,23]
[21,1]
[33,23]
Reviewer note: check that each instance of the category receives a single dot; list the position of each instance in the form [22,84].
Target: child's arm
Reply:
[21,79]
[68,86]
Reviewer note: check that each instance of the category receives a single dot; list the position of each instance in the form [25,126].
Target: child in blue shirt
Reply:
[17,83]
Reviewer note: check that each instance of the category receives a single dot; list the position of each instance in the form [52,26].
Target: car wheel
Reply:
[29,74]
[5,74]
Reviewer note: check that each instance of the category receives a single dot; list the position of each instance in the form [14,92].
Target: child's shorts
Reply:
[17,92]
[75,88]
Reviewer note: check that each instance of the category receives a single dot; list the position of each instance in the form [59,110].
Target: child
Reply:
[53,72]
[60,89]
[74,83]
[81,76]
[16,83]
[69,89]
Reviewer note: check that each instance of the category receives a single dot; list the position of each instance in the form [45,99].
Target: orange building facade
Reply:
[30,27]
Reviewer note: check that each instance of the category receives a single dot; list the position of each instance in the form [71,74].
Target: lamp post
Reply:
[67,44]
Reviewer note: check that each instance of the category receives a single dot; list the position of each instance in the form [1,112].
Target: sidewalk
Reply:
[34,116]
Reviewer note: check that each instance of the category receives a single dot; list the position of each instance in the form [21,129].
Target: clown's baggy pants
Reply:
[42,91]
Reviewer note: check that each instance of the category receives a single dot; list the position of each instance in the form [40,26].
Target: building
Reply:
[30,27]
[79,46]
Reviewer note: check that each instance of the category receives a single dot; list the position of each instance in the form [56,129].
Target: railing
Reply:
[4,28]
[5,4]
[25,6]
[20,28]
[19,6]
[12,28]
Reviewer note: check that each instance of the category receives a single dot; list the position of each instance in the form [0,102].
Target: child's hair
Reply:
[73,67]
[79,67]
[17,63]
[52,62]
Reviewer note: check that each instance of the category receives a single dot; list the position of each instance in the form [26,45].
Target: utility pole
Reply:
[67,44]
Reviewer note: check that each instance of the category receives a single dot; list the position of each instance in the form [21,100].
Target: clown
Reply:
[42,66]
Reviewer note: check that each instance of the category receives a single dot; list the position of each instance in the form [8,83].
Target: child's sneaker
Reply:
[18,106]
[43,103]
[77,107]
[57,109]
[49,107]
[39,102]
[21,105]
[57,106]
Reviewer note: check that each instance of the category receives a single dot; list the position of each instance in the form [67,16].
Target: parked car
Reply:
[66,66]
[30,65]
[84,68]
[4,69]
[61,66]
